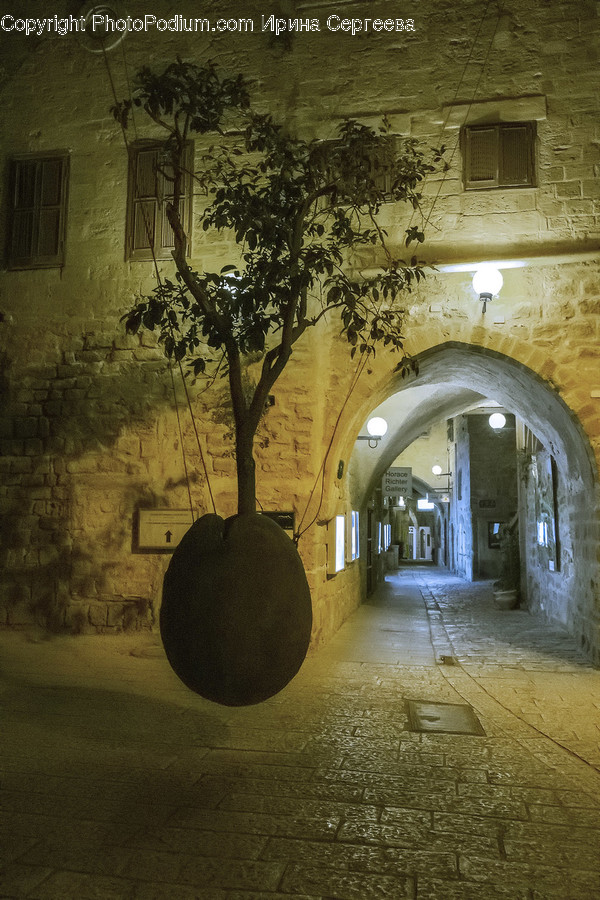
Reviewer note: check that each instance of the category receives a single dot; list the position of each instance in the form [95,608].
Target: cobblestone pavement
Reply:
[117,782]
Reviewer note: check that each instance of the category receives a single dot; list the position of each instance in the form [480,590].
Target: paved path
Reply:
[118,783]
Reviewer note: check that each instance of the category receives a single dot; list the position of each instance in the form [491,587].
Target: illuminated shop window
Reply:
[336,545]
[354,535]
[387,536]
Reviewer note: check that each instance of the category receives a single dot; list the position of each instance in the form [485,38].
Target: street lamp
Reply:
[497,421]
[487,282]
[376,427]
[437,471]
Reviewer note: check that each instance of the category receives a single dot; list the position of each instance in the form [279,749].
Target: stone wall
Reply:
[552,572]
[461,518]
[89,428]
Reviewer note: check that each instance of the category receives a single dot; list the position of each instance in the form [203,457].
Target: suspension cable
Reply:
[150,237]
[362,362]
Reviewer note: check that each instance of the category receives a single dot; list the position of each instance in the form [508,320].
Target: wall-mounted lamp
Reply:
[437,471]
[487,282]
[497,421]
[376,427]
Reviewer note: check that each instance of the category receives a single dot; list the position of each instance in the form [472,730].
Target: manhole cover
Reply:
[444,718]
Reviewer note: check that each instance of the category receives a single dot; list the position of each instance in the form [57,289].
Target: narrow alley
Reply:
[118,782]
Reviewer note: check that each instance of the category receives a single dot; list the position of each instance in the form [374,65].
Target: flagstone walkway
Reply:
[117,783]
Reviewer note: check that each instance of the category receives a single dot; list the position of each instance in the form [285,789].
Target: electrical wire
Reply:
[185,468]
[321,473]
[470,104]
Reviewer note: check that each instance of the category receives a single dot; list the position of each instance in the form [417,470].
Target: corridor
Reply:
[119,783]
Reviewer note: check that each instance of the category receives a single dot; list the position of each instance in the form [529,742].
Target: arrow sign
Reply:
[160,530]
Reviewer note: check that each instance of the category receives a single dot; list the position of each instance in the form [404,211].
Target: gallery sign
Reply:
[397,482]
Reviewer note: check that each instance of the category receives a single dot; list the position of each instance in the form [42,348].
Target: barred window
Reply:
[150,188]
[499,155]
[38,207]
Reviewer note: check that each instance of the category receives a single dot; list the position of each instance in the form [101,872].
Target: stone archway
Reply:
[452,378]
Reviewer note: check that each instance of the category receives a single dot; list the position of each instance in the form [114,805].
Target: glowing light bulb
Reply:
[487,281]
[497,421]
[377,426]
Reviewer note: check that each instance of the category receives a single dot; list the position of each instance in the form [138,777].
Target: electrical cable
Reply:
[470,104]
[321,473]
[193,418]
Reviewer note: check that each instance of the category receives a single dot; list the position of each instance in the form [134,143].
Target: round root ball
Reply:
[236,614]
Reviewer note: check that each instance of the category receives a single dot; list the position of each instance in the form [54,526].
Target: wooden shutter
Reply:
[150,189]
[481,157]
[516,155]
[382,166]
[38,212]
[499,155]
[144,203]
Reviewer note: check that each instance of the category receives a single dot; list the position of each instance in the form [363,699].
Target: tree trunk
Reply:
[246,469]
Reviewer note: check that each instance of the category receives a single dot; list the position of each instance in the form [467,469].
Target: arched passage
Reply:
[455,377]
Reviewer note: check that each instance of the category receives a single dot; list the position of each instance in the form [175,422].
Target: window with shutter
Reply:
[381,166]
[38,211]
[516,155]
[496,156]
[150,189]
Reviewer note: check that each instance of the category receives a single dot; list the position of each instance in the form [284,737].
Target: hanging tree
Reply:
[297,210]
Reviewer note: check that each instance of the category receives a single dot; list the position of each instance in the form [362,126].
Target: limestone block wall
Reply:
[461,519]
[89,429]
[554,564]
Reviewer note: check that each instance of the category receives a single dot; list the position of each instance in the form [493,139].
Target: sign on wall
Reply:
[160,530]
[397,482]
